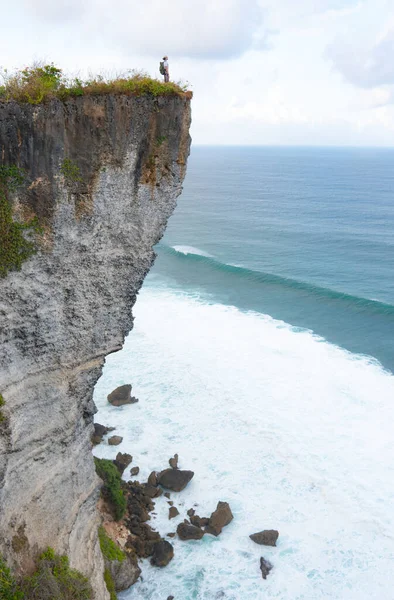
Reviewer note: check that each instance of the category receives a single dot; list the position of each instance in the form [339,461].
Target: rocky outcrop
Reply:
[174,479]
[186,531]
[121,395]
[268,537]
[265,567]
[221,517]
[102,175]
[123,572]
[163,553]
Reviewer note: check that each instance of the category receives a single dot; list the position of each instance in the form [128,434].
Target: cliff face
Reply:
[102,176]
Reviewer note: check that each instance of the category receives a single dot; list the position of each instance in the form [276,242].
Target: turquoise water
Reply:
[262,353]
[304,235]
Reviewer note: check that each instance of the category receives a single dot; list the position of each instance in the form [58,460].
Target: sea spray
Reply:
[295,433]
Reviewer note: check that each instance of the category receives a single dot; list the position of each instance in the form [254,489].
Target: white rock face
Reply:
[71,304]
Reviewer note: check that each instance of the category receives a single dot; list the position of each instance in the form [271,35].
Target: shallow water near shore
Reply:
[255,356]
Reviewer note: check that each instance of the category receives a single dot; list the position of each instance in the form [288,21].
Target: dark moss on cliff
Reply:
[17,241]
[66,145]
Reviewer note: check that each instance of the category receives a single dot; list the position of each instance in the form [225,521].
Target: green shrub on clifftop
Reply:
[112,489]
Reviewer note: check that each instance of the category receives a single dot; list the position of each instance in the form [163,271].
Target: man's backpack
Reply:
[161,68]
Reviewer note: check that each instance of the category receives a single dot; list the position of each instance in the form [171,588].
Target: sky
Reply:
[263,72]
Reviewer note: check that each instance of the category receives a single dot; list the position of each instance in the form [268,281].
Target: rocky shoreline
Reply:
[131,532]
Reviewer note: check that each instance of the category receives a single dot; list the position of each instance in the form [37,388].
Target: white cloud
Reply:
[365,66]
[200,29]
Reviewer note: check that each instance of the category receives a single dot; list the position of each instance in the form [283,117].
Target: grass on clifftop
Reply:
[39,83]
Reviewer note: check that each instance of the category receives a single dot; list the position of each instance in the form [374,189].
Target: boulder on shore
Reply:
[186,531]
[265,567]
[152,479]
[115,440]
[125,572]
[163,552]
[122,461]
[175,479]
[268,537]
[121,395]
[221,517]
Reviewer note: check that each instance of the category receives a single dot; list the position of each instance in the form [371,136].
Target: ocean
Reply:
[263,354]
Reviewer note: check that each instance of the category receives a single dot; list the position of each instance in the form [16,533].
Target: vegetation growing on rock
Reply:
[16,243]
[109,582]
[2,417]
[39,83]
[112,489]
[9,589]
[108,547]
[53,580]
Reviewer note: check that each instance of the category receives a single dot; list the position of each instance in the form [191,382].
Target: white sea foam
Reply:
[191,250]
[295,433]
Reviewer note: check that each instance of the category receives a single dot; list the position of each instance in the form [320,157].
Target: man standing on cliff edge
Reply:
[166,69]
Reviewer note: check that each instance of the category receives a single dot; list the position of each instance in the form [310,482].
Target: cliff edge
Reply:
[101,175]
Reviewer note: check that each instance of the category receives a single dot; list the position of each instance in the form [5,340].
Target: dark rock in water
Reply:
[99,432]
[221,517]
[152,479]
[115,440]
[186,531]
[152,491]
[122,461]
[163,552]
[167,494]
[143,539]
[174,462]
[199,521]
[170,502]
[265,567]
[173,512]
[124,573]
[100,429]
[121,395]
[175,479]
[191,512]
[268,537]
[171,535]
[170,598]
[134,471]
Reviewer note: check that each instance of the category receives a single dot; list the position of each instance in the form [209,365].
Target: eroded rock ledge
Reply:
[102,175]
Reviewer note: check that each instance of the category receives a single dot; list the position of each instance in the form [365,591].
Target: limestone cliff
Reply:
[102,175]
